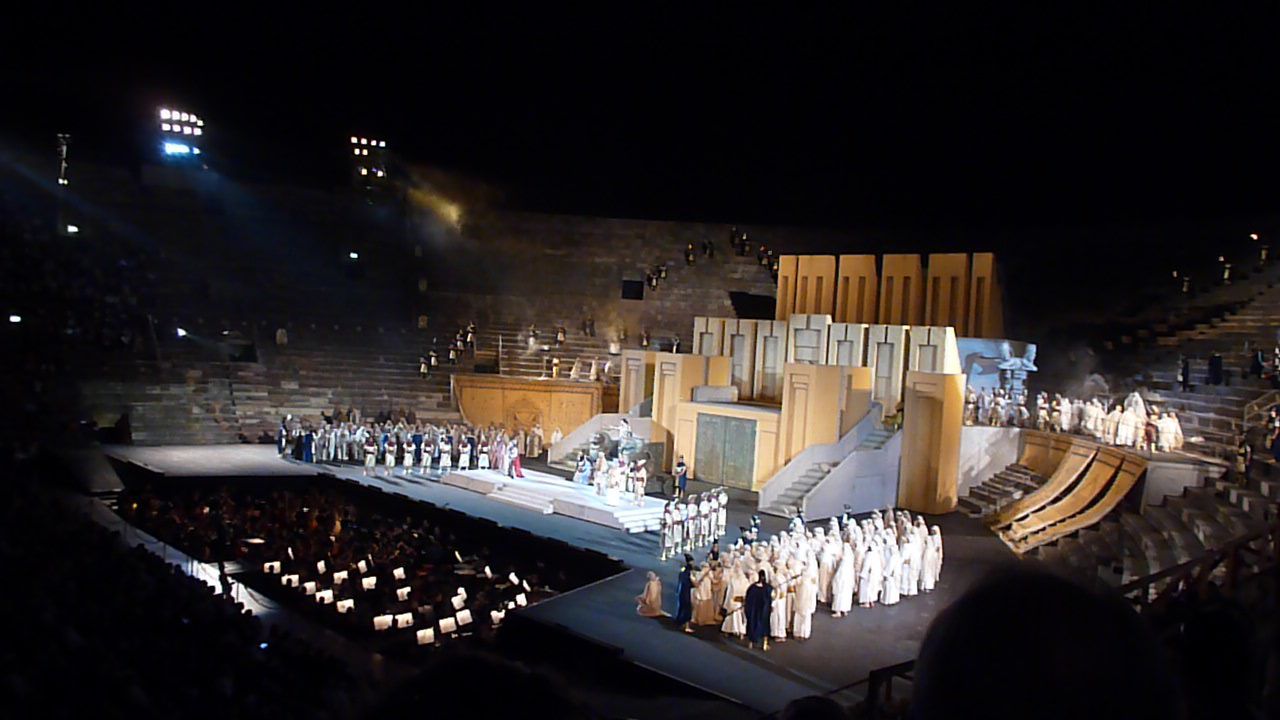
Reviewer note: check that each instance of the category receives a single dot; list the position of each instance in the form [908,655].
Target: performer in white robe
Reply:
[1111,425]
[446,454]
[827,561]
[1130,425]
[409,447]
[464,455]
[389,456]
[779,619]
[893,573]
[722,511]
[664,534]
[932,561]
[871,579]
[704,602]
[1164,433]
[842,584]
[641,482]
[735,620]
[1178,438]
[912,585]
[806,602]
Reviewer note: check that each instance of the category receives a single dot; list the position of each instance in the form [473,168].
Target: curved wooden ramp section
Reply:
[1075,455]
[1096,479]
[1035,453]
[1131,468]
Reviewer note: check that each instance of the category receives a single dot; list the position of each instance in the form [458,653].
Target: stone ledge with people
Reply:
[1131,424]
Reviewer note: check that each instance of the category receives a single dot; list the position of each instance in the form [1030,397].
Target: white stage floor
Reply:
[550,494]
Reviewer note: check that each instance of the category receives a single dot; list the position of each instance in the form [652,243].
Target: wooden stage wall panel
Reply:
[519,402]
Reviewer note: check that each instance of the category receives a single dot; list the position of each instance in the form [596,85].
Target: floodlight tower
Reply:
[368,162]
[66,224]
[64,144]
[181,134]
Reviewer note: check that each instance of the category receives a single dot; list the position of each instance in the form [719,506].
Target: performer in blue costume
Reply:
[684,595]
[758,605]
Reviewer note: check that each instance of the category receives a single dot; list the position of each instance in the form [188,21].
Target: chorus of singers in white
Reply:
[1131,424]
[861,563]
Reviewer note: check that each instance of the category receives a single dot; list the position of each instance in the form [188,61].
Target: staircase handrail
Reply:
[828,453]
[1257,406]
[1142,592]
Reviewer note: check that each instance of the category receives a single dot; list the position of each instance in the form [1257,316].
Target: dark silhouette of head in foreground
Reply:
[478,685]
[1031,645]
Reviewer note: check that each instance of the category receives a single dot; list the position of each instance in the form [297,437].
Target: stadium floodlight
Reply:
[382,143]
[165,114]
[364,171]
[197,131]
[355,151]
[73,229]
[182,333]
[63,181]
[172,148]
[15,319]
[353,255]
[364,141]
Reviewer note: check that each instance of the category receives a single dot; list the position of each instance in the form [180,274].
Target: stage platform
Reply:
[210,460]
[548,494]
[840,654]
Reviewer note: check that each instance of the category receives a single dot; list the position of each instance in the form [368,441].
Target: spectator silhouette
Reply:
[1031,645]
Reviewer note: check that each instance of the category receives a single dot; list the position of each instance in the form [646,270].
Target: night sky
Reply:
[938,116]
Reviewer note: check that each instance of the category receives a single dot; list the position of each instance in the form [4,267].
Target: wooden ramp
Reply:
[1131,468]
[1074,454]
[1035,453]
[1096,478]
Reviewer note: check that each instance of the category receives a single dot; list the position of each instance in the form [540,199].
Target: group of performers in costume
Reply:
[420,447]
[692,522]
[1130,424]
[764,591]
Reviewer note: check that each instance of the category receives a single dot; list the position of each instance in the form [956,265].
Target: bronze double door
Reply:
[726,453]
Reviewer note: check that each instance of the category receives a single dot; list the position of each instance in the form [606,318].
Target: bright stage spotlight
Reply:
[73,229]
[15,319]
[176,124]
[370,164]
[353,255]
[182,333]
